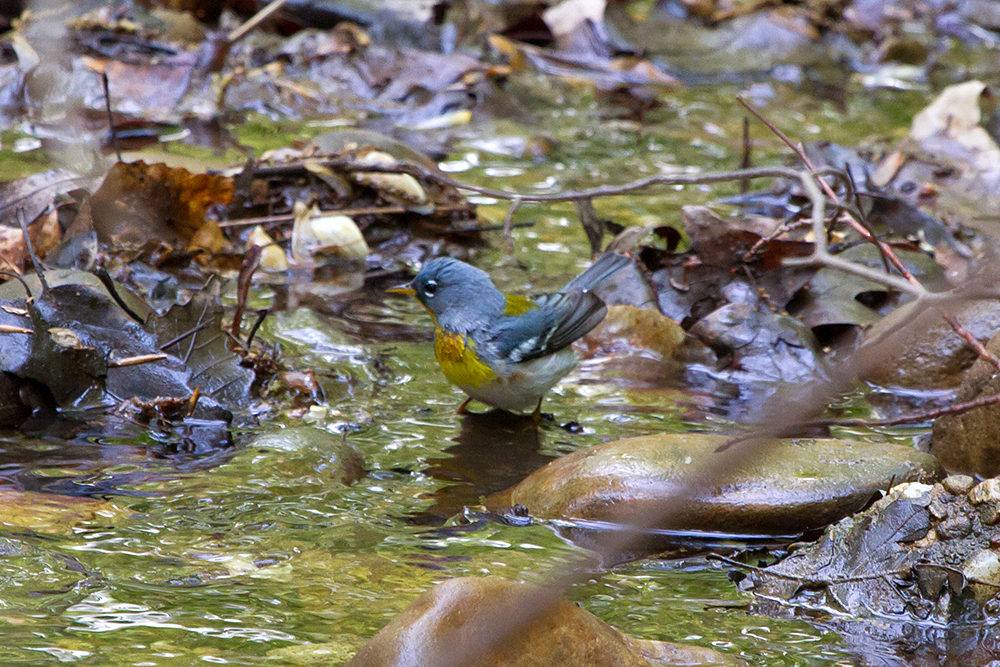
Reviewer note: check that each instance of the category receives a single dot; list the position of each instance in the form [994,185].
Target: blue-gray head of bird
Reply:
[459,296]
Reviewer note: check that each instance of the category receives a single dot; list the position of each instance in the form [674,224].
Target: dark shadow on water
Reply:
[73,457]
[493,451]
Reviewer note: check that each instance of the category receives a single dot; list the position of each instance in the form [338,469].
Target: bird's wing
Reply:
[559,320]
[603,268]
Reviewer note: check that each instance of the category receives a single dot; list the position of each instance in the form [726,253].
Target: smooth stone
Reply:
[982,571]
[928,354]
[343,461]
[970,442]
[453,615]
[958,484]
[799,485]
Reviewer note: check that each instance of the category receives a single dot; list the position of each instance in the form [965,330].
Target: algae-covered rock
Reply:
[970,442]
[802,484]
[343,461]
[456,615]
[50,513]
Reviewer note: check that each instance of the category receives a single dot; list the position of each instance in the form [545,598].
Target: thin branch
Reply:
[111,117]
[508,224]
[255,20]
[190,332]
[420,171]
[855,224]
[39,270]
[967,336]
[821,253]
[816,581]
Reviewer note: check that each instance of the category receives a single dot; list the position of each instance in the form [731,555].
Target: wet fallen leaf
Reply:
[138,203]
[193,332]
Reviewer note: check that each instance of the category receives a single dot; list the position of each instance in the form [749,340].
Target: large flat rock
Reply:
[801,484]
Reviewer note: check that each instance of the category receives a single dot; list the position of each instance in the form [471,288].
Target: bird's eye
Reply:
[430,288]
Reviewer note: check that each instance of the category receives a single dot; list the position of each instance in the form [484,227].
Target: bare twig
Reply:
[109,285]
[859,228]
[912,418]
[261,316]
[255,20]
[136,360]
[815,581]
[39,270]
[971,340]
[821,254]
[184,336]
[17,276]
[746,160]
[508,224]
[111,117]
[353,212]
[251,261]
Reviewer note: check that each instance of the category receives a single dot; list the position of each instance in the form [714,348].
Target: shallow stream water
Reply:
[243,557]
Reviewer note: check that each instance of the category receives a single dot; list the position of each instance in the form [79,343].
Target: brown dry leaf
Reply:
[44,235]
[138,203]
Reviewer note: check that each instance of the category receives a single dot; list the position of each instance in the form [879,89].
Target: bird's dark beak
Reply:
[405,290]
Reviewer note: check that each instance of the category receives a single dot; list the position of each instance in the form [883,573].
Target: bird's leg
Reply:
[463,410]
[536,416]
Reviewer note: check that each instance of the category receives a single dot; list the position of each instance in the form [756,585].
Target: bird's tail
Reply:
[603,268]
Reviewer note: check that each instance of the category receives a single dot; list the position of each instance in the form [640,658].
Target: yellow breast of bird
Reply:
[457,356]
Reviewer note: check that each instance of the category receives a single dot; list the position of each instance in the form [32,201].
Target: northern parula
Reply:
[504,350]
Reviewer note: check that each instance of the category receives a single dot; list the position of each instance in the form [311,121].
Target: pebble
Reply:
[958,485]
[988,489]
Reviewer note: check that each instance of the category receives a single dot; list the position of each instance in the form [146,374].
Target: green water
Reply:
[246,558]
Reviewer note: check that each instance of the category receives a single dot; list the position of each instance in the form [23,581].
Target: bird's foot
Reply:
[463,408]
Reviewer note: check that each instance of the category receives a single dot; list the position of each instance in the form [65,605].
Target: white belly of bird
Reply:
[518,387]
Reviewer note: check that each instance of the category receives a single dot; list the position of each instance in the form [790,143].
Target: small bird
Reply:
[504,350]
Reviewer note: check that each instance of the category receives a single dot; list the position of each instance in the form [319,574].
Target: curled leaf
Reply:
[401,188]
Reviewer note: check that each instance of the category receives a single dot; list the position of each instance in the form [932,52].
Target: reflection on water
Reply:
[106,458]
[495,450]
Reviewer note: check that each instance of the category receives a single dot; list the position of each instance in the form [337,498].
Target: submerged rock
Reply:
[802,484]
[921,554]
[456,615]
[970,442]
[343,461]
